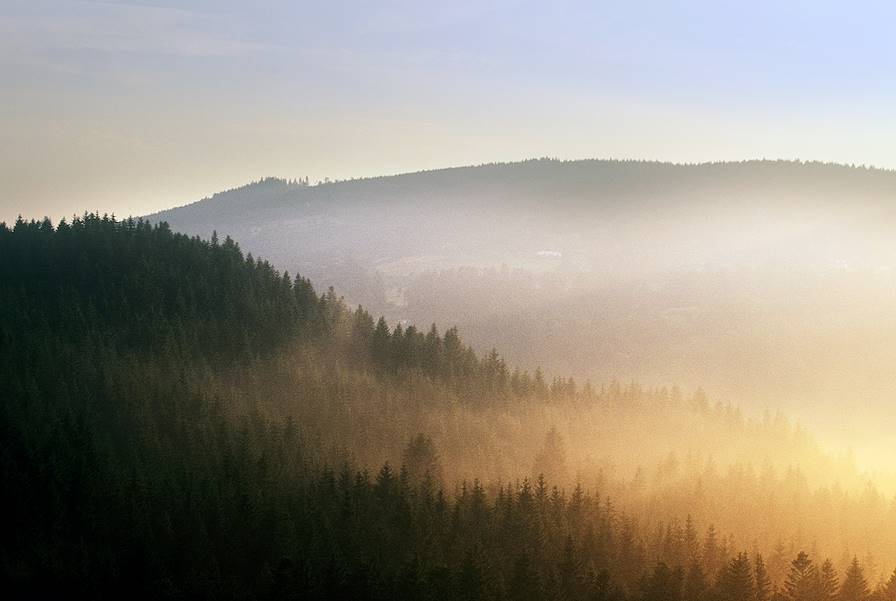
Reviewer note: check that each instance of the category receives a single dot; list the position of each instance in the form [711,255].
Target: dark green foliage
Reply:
[124,474]
[131,286]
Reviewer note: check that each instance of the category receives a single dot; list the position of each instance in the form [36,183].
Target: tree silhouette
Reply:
[736,582]
[761,580]
[828,583]
[854,587]
[800,584]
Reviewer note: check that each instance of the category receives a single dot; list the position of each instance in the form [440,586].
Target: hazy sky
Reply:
[136,106]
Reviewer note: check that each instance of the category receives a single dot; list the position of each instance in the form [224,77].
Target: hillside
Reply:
[583,210]
[183,421]
[769,283]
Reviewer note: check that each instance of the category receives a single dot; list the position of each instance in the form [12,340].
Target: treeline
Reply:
[135,287]
[122,469]
[167,406]
[395,537]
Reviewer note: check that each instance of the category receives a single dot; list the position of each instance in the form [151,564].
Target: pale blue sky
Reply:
[136,106]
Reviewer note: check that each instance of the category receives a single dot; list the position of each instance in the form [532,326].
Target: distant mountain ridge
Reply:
[538,180]
[592,216]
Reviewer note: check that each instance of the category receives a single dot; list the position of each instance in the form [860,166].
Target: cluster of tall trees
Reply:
[120,463]
[144,289]
[743,579]
[168,407]
[393,536]
[617,268]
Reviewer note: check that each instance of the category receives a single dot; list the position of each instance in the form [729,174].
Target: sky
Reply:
[131,107]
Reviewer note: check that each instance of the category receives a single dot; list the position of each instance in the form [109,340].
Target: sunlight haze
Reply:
[467,301]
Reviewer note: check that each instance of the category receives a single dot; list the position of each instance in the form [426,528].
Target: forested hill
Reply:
[487,214]
[770,283]
[136,459]
[132,288]
[179,420]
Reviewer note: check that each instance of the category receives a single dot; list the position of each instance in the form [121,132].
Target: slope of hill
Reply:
[585,211]
[770,283]
[179,420]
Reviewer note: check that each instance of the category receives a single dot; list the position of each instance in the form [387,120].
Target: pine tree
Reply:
[855,587]
[762,580]
[736,583]
[800,582]
[888,590]
[828,583]
[379,343]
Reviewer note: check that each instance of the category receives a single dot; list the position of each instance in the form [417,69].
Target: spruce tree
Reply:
[800,583]
[828,583]
[855,587]
[736,583]
[762,580]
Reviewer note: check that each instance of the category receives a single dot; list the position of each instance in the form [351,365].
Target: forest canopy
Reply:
[765,282]
[182,420]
